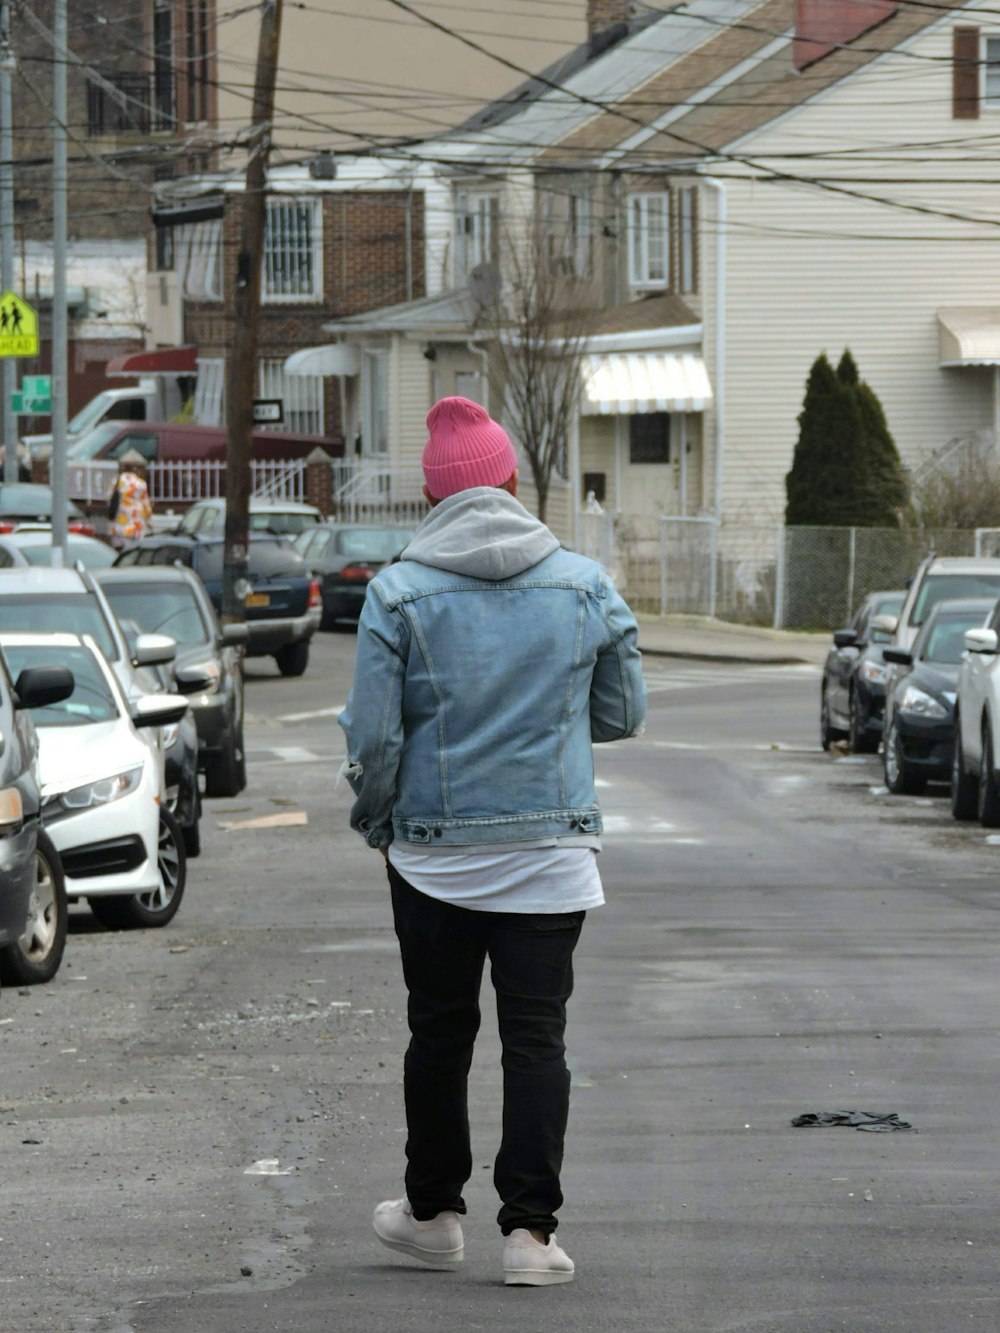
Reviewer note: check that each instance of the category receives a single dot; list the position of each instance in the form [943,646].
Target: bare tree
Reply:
[959,490]
[539,321]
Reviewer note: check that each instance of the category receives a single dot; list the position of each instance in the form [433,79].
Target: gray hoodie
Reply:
[482,533]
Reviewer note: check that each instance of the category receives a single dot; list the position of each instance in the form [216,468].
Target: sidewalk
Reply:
[702,639]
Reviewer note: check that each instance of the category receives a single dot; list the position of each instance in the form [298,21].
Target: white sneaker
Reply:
[529,1263]
[438,1241]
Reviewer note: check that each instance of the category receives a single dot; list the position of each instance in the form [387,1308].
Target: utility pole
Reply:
[241,366]
[9,379]
[59,322]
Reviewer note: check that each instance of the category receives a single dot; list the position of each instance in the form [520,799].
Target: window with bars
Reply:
[118,104]
[478,232]
[301,397]
[649,240]
[293,267]
[198,62]
[198,258]
[649,438]
[164,109]
[209,394]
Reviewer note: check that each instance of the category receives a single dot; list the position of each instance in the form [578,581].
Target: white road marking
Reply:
[287,819]
[317,712]
[663,680]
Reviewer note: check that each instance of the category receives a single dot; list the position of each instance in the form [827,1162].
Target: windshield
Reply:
[375,544]
[91,444]
[949,588]
[945,641]
[57,613]
[265,560]
[92,699]
[281,522]
[160,608]
[90,414]
[92,555]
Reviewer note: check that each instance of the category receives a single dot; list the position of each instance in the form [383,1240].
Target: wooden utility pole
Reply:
[241,367]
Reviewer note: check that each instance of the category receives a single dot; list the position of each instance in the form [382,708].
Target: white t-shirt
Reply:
[538,879]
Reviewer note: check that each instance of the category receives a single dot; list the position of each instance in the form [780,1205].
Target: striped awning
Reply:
[969,335]
[634,382]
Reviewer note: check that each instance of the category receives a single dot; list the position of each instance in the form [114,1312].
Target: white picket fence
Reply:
[368,493]
[182,482]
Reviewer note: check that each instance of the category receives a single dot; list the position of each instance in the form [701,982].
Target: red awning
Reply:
[162,361]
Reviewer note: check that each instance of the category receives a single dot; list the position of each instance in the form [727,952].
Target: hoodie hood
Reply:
[483,533]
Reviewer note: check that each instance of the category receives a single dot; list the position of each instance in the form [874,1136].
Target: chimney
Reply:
[607,22]
[823,25]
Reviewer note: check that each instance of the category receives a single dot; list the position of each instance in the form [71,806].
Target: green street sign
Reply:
[23,405]
[37,386]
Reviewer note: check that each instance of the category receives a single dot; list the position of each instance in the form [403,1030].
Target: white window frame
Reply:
[198,260]
[301,397]
[643,259]
[282,282]
[477,219]
[568,221]
[989,39]
[375,405]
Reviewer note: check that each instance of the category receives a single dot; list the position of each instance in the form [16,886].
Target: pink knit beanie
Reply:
[466,447]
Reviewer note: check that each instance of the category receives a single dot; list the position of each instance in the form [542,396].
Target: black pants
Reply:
[444,948]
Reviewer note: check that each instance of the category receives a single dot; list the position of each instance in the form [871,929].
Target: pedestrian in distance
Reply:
[488,661]
[129,505]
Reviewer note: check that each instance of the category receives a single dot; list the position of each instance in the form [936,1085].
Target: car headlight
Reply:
[101,792]
[11,811]
[875,672]
[170,734]
[918,701]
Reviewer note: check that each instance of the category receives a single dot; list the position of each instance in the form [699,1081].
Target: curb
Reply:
[692,655]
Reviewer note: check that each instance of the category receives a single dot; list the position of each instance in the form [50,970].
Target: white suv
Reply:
[975,791]
[940,579]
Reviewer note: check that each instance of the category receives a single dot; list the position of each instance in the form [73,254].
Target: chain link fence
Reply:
[763,573]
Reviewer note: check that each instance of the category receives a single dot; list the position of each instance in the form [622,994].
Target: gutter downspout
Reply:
[721,260]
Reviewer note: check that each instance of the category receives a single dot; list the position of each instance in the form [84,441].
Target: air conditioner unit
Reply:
[164,310]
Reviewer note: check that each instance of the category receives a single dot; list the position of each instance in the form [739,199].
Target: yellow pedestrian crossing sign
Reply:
[18,326]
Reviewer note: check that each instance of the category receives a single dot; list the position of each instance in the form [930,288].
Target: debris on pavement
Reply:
[268,1166]
[869,1120]
[290,819]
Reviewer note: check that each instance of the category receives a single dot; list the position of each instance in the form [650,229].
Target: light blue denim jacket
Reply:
[488,660]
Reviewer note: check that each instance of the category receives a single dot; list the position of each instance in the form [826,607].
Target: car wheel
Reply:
[36,956]
[989,796]
[826,733]
[293,658]
[226,772]
[160,905]
[860,740]
[192,840]
[900,777]
[964,786]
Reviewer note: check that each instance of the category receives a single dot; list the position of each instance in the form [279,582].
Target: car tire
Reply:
[861,741]
[293,658]
[989,795]
[226,772]
[192,840]
[157,908]
[828,733]
[36,956]
[900,777]
[964,786]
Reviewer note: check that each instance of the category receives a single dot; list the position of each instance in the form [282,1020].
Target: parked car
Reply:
[115,407]
[208,667]
[33,600]
[102,784]
[32,888]
[920,711]
[33,546]
[282,518]
[852,693]
[167,441]
[283,606]
[940,579]
[975,788]
[345,558]
[26,502]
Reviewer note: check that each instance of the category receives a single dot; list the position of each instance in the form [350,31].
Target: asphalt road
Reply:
[778,939]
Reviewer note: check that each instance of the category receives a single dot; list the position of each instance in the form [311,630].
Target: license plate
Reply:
[258,599]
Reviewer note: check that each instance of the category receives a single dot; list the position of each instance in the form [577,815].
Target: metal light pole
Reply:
[9,378]
[59,321]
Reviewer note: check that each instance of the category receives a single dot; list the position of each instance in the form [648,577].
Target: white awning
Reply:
[969,335]
[330,359]
[635,382]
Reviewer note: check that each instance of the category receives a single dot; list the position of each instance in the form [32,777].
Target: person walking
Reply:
[129,507]
[488,661]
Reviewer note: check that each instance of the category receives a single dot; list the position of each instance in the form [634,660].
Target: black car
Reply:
[33,911]
[920,711]
[208,667]
[853,691]
[283,600]
[345,558]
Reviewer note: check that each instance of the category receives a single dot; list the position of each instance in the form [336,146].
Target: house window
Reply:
[118,104]
[649,241]
[649,438]
[478,232]
[687,239]
[991,71]
[568,221]
[199,59]
[375,402]
[198,252]
[163,65]
[301,397]
[209,394]
[293,268]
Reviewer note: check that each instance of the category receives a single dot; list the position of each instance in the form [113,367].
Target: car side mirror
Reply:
[157,710]
[154,650]
[845,638]
[982,641]
[192,681]
[234,634]
[885,624]
[898,656]
[37,687]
